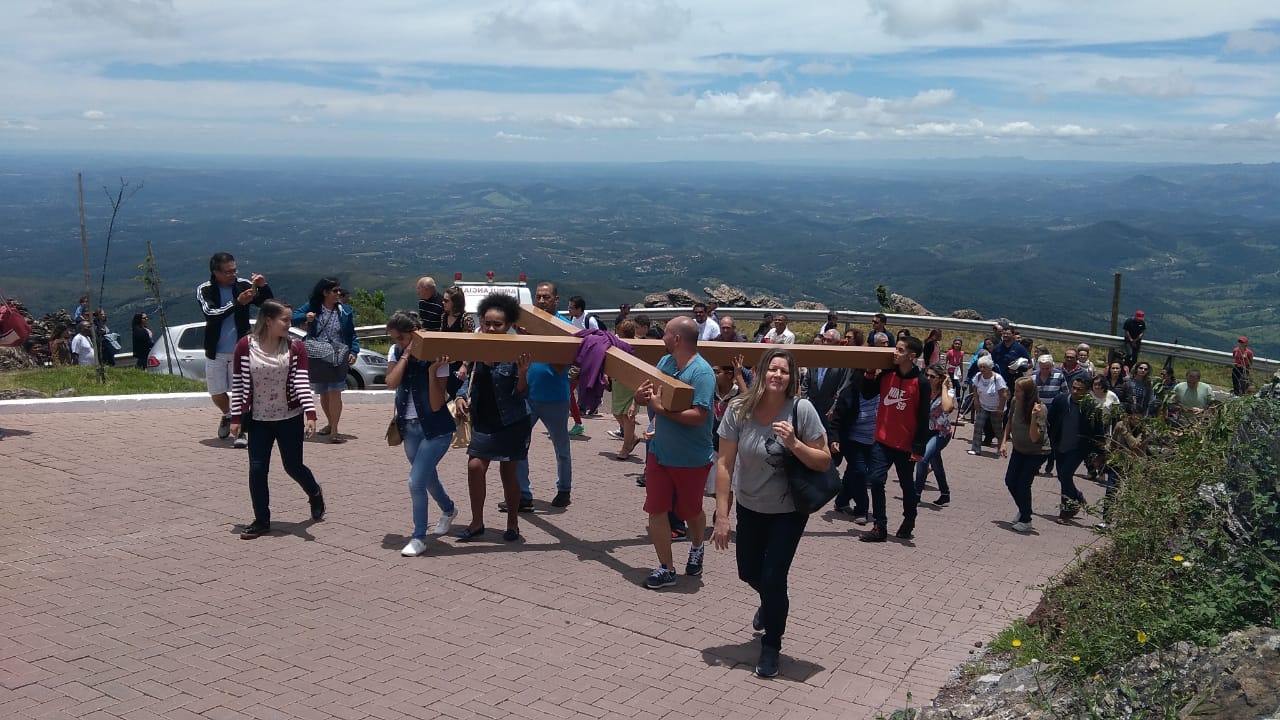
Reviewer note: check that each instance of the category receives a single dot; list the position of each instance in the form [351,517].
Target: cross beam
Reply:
[550,340]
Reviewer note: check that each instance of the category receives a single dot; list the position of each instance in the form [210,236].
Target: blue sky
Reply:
[614,80]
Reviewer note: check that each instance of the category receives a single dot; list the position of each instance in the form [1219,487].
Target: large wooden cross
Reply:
[551,340]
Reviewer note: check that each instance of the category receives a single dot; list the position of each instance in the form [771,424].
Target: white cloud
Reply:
[560,24]
[577,122]
[146,18]
[11,124]
[299,119]
[825,68]
[736,66]
[516,137]
[914,18]
[768,100]
[1252,41]
[1174,85]
[93,115]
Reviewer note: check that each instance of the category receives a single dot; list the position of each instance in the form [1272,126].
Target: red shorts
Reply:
[674,489]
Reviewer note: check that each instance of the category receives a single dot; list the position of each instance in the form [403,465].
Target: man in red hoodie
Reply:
[902,430]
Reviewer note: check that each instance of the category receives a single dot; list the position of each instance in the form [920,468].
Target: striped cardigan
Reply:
[298,391]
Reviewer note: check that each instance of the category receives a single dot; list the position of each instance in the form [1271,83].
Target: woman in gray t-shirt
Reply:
[757,430]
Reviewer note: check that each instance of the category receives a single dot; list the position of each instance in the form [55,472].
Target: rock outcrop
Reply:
[1239,678]
[808,305]
[967,314]
[903,305]
[727,296]
[724,295]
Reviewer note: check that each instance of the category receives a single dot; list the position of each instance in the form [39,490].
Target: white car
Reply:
[368,373]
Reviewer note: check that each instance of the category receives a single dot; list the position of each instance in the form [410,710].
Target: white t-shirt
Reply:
[988,391]
[83,349]
[708,330]
[786,338]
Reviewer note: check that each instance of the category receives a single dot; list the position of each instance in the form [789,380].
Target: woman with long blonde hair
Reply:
[758,429]
[271,399]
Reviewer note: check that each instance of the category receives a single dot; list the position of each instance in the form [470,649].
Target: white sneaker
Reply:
[1022,527]
[615,434]
[415,548]
[445,522]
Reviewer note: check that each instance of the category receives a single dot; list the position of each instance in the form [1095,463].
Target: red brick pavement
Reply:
[127,592]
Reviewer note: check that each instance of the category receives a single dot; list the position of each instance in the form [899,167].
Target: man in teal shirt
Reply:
[681,452]
[1193,395]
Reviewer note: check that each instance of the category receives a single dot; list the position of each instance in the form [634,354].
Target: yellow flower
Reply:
[1075,658]
[1016,642]
[1177,558]
[1142,637]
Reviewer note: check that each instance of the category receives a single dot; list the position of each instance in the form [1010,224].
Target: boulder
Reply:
[765,301]
[652,300]
[22,394]
[967,314]
[727,296]
[15,358]
[808,305]
[903,305]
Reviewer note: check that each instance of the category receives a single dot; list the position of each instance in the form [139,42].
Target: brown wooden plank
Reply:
[723,353]
[483,347]
[540,322]
[632,371]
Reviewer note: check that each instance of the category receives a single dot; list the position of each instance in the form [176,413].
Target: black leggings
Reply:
[287,434]
[766,545]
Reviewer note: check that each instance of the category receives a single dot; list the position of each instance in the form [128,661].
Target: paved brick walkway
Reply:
[127,592]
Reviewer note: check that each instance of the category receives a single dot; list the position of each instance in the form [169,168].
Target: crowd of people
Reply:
[730,443]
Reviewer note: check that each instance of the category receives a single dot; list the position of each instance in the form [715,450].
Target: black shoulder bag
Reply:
[811,489]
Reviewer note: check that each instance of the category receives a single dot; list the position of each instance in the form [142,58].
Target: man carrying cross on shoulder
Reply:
[680,453]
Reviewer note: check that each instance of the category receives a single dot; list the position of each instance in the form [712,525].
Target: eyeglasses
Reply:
[227,271]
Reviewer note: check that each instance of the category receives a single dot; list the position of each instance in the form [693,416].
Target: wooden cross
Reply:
[551,340]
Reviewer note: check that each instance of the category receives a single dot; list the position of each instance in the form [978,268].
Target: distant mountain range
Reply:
[1198,246]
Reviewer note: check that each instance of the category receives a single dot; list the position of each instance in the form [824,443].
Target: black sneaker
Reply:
[876,534]
[317,506]
[694,567]
[660,578]
[560,500]
[255,529]
[526,505]
[905,529]
[943,499]
[767,665]
[224,427]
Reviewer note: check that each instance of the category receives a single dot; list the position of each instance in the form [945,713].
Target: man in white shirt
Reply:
[579,317]
[708,329]
[780,334]
[82,345]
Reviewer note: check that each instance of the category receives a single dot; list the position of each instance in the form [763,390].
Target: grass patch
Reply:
[1194,551]
[120,381]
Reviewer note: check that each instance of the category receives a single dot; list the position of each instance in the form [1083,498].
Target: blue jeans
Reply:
[424,454]
[766,545]
[1018,478]
[555,418]
[1068,463]
[286,435]
[882,458]
[933,456]
[853,484]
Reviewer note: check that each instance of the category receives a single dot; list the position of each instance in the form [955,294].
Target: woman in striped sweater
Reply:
[271,397]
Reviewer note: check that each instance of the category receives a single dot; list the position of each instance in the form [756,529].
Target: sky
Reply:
[646,80]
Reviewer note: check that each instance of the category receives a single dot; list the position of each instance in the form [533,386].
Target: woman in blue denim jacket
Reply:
[494,396]
[324,317]
[425,424]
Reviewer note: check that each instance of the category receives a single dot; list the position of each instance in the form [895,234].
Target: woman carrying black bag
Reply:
[332,346]
[757,433]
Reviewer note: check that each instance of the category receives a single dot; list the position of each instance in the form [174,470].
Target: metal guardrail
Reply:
[748,317]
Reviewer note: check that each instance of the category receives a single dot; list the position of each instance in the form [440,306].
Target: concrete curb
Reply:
[127,403]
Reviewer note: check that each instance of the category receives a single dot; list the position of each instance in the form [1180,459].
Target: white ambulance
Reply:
[474,292]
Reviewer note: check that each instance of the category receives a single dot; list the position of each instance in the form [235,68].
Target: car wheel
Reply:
[353,381]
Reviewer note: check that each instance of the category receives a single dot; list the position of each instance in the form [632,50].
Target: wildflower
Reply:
[1142,637]
[1075,658]
[1186,563]
[1177,558]
[1016,642]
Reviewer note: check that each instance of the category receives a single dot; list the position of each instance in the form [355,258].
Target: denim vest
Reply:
[416,384]
[505,376]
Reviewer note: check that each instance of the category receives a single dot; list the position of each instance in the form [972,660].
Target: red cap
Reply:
[1244,340]
[1140,315]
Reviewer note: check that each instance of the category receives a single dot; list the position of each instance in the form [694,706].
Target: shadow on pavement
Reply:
[746,654]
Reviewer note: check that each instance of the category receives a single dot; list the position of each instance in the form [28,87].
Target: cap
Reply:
[1019,365]
[1244,340]
[1139,314]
